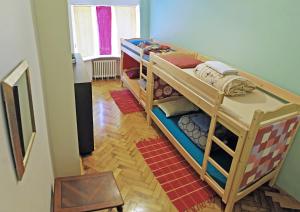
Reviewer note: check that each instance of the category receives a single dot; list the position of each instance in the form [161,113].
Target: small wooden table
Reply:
[87,193]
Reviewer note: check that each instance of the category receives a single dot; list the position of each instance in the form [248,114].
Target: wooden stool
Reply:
[87,193]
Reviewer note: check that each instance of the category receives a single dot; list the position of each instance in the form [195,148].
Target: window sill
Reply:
[90,58]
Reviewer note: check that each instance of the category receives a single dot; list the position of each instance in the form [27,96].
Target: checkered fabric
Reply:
[269,149]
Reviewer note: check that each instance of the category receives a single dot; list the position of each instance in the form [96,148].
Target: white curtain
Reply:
[125,25]
[84,30]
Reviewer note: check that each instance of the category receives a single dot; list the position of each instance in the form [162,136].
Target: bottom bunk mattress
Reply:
[219,156]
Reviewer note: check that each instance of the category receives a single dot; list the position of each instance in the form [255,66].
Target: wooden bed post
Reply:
[149,90]
[141,68]
[121,67]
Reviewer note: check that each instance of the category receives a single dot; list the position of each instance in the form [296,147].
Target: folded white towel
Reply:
[220,67]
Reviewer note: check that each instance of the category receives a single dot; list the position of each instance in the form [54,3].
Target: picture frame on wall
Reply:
[18,104]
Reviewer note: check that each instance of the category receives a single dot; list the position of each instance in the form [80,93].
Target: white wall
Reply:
[51,20]
[17,42]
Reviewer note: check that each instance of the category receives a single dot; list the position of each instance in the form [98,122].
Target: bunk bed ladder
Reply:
[210,136]
[149,91]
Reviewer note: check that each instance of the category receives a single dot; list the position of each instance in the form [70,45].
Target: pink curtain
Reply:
[104,27]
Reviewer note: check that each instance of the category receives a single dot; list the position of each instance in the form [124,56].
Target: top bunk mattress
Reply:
[242,108]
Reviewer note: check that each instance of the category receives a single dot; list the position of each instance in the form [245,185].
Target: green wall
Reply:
[145,10]
[261,37]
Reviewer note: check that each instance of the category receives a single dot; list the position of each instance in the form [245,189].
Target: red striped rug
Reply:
[125,101]
[182,184]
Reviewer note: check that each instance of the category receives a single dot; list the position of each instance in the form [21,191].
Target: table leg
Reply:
[120,208]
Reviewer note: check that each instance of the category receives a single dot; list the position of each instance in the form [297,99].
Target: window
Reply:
[97,29]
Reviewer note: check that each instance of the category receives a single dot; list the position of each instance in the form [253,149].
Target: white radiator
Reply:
[105,68]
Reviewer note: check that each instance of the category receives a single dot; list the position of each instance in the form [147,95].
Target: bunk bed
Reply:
[133,57]
[263,125]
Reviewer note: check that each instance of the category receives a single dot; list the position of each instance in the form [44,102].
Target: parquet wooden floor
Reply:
[115,137]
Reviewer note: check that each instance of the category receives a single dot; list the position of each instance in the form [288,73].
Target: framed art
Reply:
[20,115]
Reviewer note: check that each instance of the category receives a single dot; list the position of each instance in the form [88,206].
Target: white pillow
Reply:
[177,107]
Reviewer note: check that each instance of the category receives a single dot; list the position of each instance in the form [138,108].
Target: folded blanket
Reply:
[231,85]
[220,67]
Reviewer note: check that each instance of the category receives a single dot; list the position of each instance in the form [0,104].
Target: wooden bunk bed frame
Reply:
[210,100]
[132,84]
[137,54]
